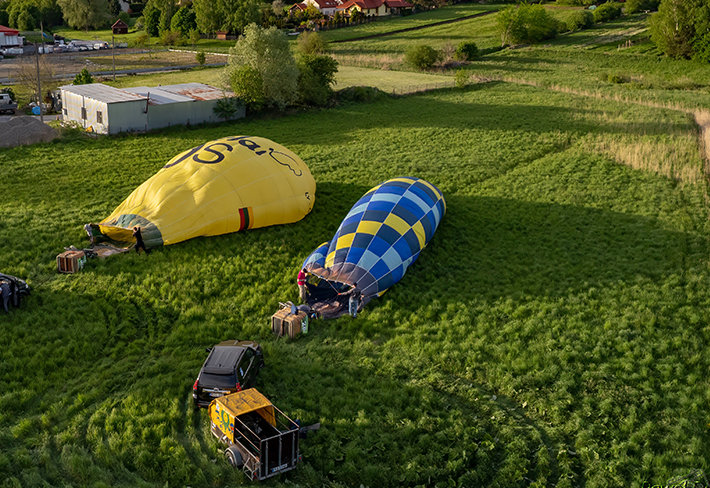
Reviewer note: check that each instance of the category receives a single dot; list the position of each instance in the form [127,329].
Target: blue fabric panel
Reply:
[422,203]
[406,215]
[378,246]
[385,197]
[357,217]
[361,241]
[379,270]
[412,240]
[355,254]
[432,196]
[348,228]
[388,234]
[391,258]
[426,196]
[402,249]
[385,282]
[435,215]
[397,273]
[398,184]
[391,190]
[428,231]
[340,256]
[375,215]
[412,207]
[368,260]
[380,206]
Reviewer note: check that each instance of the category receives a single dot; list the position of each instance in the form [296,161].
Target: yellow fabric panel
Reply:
[200,191]
[330,260]
[419,232]
[397,223]
[345,241]
[436,192]
[368,227]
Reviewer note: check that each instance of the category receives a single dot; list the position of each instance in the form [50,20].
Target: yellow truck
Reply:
[261,439]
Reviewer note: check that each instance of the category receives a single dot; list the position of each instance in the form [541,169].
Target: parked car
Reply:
[12,290]
[230,367]
[6,104]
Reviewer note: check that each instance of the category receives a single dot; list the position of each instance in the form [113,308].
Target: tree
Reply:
[265,51]
[607,11]
[207,15]
[151,16]
[278,8]
[678,25]
[200,57]
[124,17]
[248,84]
[229,15]
[311,43]
[83,78]
[194,37]
[85,14]
[114,7]
[183,21]
[355,15]
[317,75]
[634,6]
[23,15]
[525,23]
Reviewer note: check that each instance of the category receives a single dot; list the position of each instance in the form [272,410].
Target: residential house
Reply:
[378,8]
[297,7]
[119,27]
[326,7]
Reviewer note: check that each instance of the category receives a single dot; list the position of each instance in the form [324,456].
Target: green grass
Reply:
[553,333]
[385,25]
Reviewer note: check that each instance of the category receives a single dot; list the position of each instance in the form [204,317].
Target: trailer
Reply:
[261,439]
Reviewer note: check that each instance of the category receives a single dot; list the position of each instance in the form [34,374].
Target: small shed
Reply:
[120,27]
[108,110]
[9,37]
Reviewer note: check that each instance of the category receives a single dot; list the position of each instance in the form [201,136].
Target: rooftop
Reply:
[159,95]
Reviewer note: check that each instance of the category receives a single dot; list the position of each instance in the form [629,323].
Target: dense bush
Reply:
[635,6]
[248,84]
[171,38]
[578,20]
[200,57]
[607,11]
[311,43]
[124,17]
[421,57]
[317,75]
[83,78]
[582,3]
[525,24]
[466,51]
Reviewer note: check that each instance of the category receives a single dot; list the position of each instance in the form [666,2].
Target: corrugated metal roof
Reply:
[197,91]
[157,95]
[103,93]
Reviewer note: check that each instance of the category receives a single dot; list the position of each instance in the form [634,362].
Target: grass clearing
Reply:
[552,333]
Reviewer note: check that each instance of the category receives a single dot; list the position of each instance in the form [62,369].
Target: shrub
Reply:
[317,75]
[607,11]
[466,51]
[194,37]
[634,6]
[525,24]
[83,78]
[580,19]
[200,58]
[140,23]
[461,78]
[422,57]
[183,21]
[248,84]
[171,38]
[226,108]
[311,43]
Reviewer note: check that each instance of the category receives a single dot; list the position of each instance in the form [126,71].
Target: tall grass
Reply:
[552,333]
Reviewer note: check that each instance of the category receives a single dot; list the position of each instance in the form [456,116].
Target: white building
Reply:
[9,37]
[326,7]
[108,110]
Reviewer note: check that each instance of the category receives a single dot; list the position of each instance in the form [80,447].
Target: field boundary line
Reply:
[419,27]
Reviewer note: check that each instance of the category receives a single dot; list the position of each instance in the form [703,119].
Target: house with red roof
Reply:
[375,7]
[297,7]
[326,7]
[9,37]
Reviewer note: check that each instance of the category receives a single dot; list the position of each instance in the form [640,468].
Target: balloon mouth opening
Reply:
[329,293]
[119,231]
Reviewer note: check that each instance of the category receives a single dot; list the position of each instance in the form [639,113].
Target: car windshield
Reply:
[208,380]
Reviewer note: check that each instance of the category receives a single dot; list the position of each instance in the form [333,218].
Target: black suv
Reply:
[231,366]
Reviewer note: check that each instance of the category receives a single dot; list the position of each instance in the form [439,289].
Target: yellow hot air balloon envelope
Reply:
[223,186]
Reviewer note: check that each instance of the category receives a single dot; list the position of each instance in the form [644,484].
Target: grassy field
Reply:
[553,333]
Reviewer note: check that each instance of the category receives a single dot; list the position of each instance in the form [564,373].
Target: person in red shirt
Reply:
[302,290]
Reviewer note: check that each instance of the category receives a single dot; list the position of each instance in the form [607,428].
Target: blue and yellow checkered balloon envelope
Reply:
[379,239]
